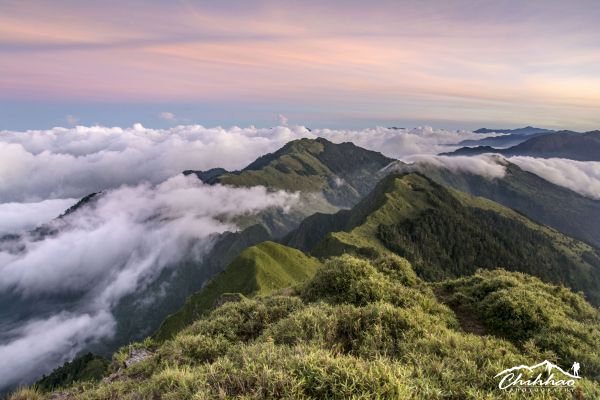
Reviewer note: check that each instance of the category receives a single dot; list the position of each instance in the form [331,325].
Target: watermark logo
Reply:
[544,375]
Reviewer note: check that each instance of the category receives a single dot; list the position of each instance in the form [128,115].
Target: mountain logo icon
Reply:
[542,375]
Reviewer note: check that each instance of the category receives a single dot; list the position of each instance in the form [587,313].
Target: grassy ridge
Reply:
[257,271]
[367,329]
[343,173]
[563,209]
[445,233]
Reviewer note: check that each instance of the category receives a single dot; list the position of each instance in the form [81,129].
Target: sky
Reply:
[338,64]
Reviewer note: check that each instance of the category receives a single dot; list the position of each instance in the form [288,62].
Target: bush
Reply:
[246,319]
[529,312]
[366,335]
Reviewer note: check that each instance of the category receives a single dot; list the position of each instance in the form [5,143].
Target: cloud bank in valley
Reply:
[16,217]
[73,162]
[579,176]
[488,165]
[116,245]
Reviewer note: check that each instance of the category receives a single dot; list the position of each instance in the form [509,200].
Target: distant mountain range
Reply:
[563,144]
[508,137]
[528,130]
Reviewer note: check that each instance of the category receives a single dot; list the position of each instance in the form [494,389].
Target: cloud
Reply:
[41,342]
[579,176]
[283,120]
[488,165]
[73,162]
[16,217]
[167,116]
[72,120]
[117,245]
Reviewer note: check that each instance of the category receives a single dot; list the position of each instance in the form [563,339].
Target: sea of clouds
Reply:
[69,163]
[116,246]
[149,215]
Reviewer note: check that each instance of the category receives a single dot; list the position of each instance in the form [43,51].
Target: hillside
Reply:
[363,329]
[343,173]
[563,144]
[558,207]
[259,270]
[446,234]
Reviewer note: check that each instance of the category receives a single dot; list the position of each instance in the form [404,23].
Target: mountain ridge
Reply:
[562,144]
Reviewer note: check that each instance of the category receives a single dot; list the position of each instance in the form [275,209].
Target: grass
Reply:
[363,329]
[258,271]
[343,173]
[445,233]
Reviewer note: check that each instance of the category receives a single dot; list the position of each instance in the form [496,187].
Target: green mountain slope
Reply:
[87,367]
[257,271]
[343,173]
[446,233]
[549,204]
[365,329]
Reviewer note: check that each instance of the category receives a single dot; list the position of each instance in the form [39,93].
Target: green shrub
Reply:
[187,349]
[529,312]
[397,268]
[246,319]
[364,334]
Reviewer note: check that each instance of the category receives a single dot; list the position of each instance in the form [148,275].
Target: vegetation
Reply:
[530,313]
[446,234]
[343,173]
[549,204]
[88,367]
[258,271]
[366,329]
[454,240]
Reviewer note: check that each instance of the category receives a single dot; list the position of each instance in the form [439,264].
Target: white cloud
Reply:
[61,162]
[167,116]
[16,217]
[283,120]
[487,165]
[117,245]
[580,176]
[401,143]
[41,344]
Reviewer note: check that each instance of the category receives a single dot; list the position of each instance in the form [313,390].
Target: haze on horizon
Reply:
[454,64]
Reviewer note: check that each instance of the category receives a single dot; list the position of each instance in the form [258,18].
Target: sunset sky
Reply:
[454,64]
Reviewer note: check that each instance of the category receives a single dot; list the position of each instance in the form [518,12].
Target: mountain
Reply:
[258,271]
[369,301]
[558,207]
[343,173]
[340,176]
[446,233]
[472,151]
[507,137]
[528,130]
[563,144]
[88,367]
